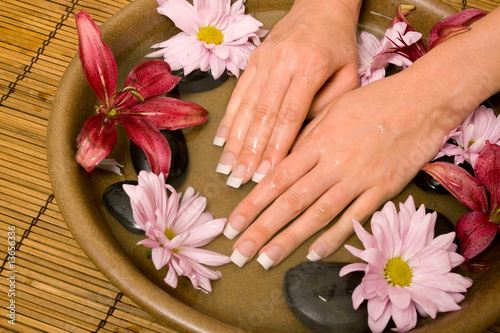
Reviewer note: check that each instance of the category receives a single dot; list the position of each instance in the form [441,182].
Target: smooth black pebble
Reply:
[322,300]
[117,202]
[444,226]
[427,183]
[179,160]
[198,81]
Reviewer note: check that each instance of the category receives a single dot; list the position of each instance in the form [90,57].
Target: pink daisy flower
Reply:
[215,35]
[375,55]
[176,229]
[407,269]
[480,126]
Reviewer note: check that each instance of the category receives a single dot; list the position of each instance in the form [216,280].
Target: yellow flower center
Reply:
[398,272]
[170,235]
[210,35]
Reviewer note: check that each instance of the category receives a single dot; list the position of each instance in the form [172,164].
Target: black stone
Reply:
[322,300]
[198,81]
[427,183]
[179,160]
[117,202]
[444,226]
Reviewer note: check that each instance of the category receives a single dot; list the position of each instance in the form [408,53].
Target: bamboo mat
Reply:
[57,288]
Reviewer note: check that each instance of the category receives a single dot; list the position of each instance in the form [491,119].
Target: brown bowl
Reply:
[245,299]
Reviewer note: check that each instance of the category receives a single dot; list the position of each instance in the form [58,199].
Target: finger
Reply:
[261,127]
[316,217]
[293,168]
[360,210]
[232,107]
[240,122]
[340,82]
[285,208]
[288,123]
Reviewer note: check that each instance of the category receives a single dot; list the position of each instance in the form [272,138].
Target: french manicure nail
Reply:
[261,171]
[236,177]
[238,258]
[318,253]
[233,225]
[313,256]
[225,163]
[242,253]
[220,136]
[269,257]
[229,232]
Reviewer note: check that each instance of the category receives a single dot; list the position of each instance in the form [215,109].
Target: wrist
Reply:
[351,8]
[462,72]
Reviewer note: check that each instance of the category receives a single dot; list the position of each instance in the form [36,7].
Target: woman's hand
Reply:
[361,149]
[364,147]
[275,93]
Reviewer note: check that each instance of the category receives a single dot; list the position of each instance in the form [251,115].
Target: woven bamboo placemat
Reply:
[56,287]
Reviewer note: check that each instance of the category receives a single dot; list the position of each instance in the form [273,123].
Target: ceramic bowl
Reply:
[245,299]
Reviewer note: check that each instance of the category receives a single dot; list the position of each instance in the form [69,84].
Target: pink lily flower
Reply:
[138,106]
[477,229]
[376,54]
[408,51]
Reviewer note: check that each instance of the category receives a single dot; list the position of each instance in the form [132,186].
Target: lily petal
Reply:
[453,25]
[97,59]
[460,183]
[147,137]
[95,141]
[402,11]
[151,78]
[476,232]
[487,172]
[170,113]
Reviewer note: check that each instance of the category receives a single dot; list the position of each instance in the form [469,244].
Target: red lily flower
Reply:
[477,229]
[138,106]
[453,25]
[450,26]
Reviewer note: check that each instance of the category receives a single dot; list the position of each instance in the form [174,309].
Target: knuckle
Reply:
[322,213]
[292,201]
[263,230]
[262,113]
[289,115]
[232,141]
[246,104]
[247,152]
[278,179]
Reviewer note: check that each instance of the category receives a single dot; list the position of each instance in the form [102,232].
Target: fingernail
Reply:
[236,177]
[234,226]
[269,257]
[318,253]
[261,171]
[220,136]
[229,232]
[242,253]
[225,163]
[313,256]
